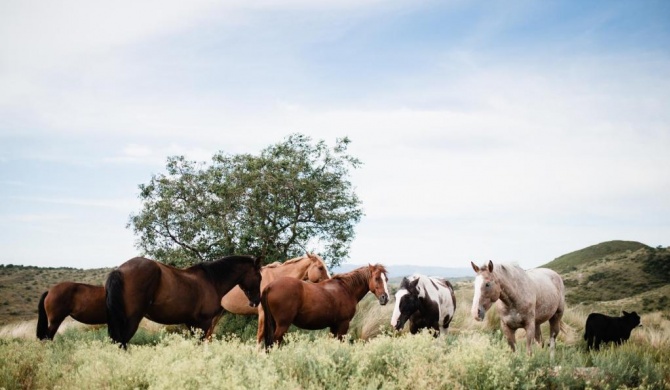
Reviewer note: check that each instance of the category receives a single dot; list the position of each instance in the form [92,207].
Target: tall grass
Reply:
[476,360]
[474,355]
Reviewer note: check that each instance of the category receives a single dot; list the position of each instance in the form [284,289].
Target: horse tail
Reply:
[116,313]
[269,324]
[42,320]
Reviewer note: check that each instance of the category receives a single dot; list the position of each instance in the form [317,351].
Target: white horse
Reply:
[428,302]
[525,299]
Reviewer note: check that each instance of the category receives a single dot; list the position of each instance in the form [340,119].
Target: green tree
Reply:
[293,195]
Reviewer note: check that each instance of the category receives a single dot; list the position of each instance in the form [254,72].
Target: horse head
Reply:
[487,290]
[251,282]
[406,303]
[317,270]
[378,283]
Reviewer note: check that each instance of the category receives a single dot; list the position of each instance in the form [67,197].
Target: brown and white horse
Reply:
[309,267]
[525,299]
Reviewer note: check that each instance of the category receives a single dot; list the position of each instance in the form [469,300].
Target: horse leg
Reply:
[509,335]
[53,327]
[213,322]
[538,335]
[340,330]
[279,333]
[554,328]
[530,336]
[133,322]
[261,324]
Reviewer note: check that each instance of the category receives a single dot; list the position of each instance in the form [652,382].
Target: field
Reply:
[473,355]
[607,278]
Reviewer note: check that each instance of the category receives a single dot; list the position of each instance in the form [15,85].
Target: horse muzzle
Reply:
[383,299]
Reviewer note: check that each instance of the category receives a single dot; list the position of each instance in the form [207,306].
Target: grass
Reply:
[473,355]
[473,359]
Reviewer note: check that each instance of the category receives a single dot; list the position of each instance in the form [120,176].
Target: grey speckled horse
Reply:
[525,300]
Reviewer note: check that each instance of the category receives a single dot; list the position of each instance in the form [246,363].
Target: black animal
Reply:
[601,328]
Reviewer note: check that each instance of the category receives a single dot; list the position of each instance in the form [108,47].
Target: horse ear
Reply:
[475,267]
[490,266]
[413,283]
[625,312]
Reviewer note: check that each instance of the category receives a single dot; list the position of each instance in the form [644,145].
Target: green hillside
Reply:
[583,257]
[623,275]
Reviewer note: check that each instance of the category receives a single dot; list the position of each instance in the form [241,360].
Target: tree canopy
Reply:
[293,196]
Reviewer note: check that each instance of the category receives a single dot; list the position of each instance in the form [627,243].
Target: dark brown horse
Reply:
[146,288]
[327,304]
[83,302]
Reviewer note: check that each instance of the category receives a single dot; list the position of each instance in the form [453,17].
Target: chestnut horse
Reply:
[83,302]
[327,304]
[146,288]
[525,299]
[309,267]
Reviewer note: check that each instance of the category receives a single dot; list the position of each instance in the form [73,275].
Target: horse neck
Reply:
[225,275]
[357,282]
[510,295]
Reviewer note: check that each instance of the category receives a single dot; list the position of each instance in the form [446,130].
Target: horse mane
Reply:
[217,268]
[291,261]
[359,276]
[509,271]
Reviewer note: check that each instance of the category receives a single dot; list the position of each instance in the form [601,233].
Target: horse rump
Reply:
[42,319]
[116,313]
[269,324]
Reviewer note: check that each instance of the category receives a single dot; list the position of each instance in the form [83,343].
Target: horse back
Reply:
[549,293]
[141,280]
[88,304]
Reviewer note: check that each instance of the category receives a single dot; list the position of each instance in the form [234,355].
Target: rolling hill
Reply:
[625,274]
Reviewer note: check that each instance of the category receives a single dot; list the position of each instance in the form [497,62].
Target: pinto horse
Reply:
[310,267]
[146,288]
[525,299]
[83,302]
[327,304]
[427,302]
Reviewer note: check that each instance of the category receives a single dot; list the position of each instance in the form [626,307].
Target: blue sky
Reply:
[513,130]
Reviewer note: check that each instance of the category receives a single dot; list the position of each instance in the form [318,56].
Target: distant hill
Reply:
[588,255]
[399,271]
[625,273]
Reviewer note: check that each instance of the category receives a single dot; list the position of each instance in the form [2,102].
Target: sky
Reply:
[512,131]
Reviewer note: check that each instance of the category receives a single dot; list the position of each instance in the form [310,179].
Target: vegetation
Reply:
[294,194]
[470,356]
